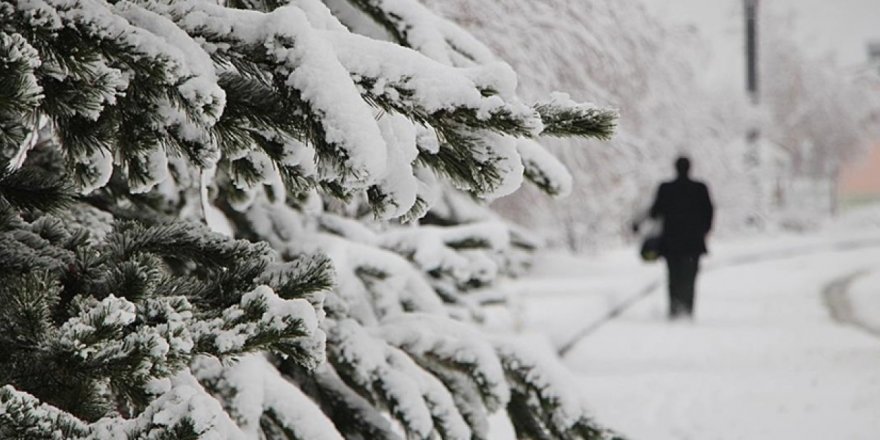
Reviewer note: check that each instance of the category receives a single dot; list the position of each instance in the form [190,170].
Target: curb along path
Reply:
[836,294]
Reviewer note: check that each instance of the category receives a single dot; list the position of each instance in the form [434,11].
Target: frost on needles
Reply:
[264,220]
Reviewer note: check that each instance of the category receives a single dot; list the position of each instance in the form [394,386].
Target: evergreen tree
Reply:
[260,220]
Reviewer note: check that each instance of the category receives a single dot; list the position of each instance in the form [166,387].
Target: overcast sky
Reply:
[840,28]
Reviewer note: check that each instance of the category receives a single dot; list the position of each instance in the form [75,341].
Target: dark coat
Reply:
[686,210]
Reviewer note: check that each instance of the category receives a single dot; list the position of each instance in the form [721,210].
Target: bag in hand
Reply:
[651,241]
[650,250]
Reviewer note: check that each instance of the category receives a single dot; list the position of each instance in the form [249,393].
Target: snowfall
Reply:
[785,343]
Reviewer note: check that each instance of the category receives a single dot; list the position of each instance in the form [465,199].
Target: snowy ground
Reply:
[764,358]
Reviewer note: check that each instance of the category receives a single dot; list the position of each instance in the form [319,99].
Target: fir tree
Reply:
[252,220]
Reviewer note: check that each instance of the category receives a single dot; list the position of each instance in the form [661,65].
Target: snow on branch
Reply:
[429,92]
[259,399]
[341,123]
[184,410]
[542,402]
[456,259]
[23,416]
[381,282]
[564,117]
[352,413]
[364,361]
[543,169]
[263,321]
[276,124]
[126,331]
[439,340]
[18,101]
[413,25]
[287,95]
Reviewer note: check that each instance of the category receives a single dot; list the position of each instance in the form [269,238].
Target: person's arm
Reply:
[652,212]
[709,209]
[658,207]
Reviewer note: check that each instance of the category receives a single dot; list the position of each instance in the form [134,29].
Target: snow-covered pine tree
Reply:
[216,223]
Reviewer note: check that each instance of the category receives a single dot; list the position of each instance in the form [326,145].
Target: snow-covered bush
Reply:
[261,220]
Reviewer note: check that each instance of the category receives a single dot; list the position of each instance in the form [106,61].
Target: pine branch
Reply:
[352,415]
[20,95]
[22,251]
[257,116]
[455,161]
[328,124]
[301,276]
[431,339]
[77,49]
[30,188]
[105,326]
[263,321]
[543,169]
[563,117]
[184,241]
[399,97]
[540,405]
[352,352]
[411,24]
[23,417]
[26,316]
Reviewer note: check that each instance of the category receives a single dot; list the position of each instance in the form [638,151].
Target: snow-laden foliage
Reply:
[812,115]
[260,220]
[101,326]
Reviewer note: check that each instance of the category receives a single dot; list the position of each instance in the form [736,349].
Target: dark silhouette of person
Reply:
[685,209]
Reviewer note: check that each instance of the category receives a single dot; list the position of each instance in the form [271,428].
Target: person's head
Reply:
[682,166]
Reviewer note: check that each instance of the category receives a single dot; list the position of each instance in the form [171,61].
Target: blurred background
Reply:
[777,102]
[793,148]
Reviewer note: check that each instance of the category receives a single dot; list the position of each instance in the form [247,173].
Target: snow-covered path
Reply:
[763,360]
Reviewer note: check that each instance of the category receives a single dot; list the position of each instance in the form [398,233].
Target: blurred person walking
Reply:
[685,209]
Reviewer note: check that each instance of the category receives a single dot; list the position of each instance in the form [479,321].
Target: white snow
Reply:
[188,400]
[310,64]
[433,35]
[230,334]
[432,248]
[501,152]
[399,183]
[437,397]
[319,15]
[110,313]
[369,359]
[549,378]
[538,162]
[201,88]
[102,163]
[454,342]
[763,359]
[864,297]
[434,86]
[402,285]
[255,387]
[156,169]
[296,411]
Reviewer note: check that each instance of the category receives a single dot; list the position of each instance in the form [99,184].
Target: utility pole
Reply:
[751,9]
[874,55]
[753,131]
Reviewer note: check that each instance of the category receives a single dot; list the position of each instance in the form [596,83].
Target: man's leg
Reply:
[689,268]
[674,271]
